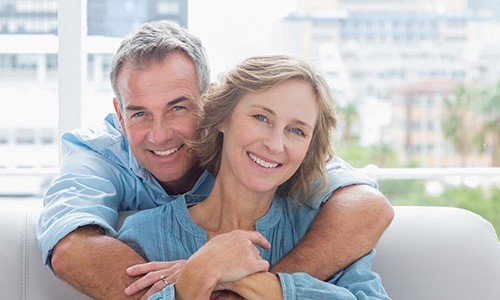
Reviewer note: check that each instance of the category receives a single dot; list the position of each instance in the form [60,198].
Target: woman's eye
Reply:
[297,131]
[261,118]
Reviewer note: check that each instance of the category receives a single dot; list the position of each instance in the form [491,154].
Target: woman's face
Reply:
[268,134]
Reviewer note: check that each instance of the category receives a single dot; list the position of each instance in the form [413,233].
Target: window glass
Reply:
[408,76]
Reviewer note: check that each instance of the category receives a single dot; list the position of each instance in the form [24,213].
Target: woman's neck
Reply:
[230,206]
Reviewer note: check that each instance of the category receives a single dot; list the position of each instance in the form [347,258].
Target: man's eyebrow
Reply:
[134,107]
[170,103]
[177,100]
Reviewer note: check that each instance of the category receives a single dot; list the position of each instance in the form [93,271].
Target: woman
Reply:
[265,135]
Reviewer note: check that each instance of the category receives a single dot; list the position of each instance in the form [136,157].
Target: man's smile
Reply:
[168,151]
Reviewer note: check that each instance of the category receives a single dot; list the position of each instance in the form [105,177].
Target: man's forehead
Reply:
[159,81]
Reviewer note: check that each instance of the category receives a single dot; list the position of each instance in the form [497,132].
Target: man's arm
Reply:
[95,263]
[347,227]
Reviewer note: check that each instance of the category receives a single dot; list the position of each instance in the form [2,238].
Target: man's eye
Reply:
[297,131]
[138,114]
[261,118]
[178,107]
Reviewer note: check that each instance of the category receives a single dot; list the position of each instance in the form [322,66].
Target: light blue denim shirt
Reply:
[167,233]
[99,176]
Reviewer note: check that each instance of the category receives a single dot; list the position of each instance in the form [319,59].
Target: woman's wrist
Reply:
[262,285]
[193,275]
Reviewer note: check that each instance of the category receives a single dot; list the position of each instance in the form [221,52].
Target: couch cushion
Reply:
[426,253]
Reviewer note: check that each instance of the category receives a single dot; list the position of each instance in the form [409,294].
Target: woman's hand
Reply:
[232,256]
[152,273]
[262,285]
[226,257]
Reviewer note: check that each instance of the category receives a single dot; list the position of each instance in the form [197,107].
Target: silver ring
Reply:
[164,278]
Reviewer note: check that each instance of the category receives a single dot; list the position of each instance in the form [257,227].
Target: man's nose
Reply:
[160,131]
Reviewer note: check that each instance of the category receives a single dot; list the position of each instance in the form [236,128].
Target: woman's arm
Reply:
[355,282]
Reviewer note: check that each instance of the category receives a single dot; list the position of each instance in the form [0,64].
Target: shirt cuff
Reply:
[62,227]
[287,285]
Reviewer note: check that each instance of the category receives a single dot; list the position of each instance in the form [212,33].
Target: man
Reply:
[139,160]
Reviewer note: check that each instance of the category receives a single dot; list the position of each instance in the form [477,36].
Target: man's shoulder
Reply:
[98,137]
[106,140]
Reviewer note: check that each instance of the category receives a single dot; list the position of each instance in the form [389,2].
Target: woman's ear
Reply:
[222,127]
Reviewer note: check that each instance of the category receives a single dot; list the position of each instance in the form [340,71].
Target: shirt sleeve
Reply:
[340,174]
[85,193]
[168,293]
[355,282]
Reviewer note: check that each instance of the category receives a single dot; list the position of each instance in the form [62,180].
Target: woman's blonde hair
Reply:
[257,74]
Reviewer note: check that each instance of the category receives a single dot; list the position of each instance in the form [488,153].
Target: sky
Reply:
[233,30]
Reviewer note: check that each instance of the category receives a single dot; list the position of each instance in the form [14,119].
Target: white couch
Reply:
[427,253]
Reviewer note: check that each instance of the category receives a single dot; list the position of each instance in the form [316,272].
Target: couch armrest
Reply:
[22,272]
[439,253]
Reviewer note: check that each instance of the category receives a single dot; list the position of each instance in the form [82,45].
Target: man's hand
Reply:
[151,273]
[95,263]
[347,227]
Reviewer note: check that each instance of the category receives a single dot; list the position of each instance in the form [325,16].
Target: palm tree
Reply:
[459,116]
[489,133]
[348,115]
[383,155]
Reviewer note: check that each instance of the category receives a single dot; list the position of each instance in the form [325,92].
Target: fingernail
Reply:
[127,291]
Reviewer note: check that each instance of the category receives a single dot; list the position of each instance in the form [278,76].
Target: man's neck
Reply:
[185,183]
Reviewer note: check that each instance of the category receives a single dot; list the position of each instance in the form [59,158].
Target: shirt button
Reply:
[72,188]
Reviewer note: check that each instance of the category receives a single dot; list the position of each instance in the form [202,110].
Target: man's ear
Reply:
[118,111]
[116,105]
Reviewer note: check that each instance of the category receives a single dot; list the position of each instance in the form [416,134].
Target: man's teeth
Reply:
[167,152]
[262,163]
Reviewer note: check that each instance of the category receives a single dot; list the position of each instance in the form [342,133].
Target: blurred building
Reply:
[384,44]
[105,17]
[416,125]
[28,69]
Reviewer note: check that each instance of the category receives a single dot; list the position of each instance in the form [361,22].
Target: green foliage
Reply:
[348,115]
[358,156]
[382,154]
[479,106]
[482,201]
[458,115]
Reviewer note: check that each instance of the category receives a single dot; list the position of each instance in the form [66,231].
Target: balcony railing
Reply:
[32,182]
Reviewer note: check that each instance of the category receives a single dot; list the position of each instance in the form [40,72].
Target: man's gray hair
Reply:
[152,43]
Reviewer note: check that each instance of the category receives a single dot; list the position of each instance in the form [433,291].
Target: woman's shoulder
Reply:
[158,215]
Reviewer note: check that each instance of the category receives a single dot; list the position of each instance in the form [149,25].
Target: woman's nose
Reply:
[274,142]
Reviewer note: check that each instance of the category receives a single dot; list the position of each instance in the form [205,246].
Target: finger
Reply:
[173,278]
[262,265]
[158,286]
[144,282]
[258,239]
[144,268]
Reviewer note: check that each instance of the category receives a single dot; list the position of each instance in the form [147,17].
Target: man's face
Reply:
[158,111]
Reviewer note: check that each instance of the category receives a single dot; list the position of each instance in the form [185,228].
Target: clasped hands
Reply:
[221,264]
